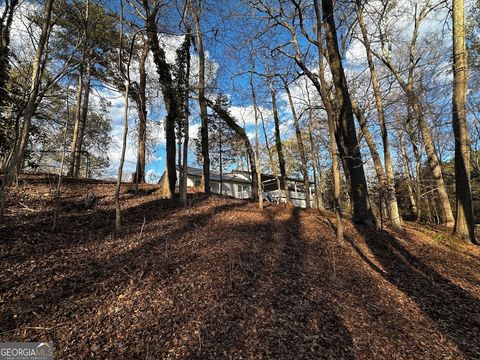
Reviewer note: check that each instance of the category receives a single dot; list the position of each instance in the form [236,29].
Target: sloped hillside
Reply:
[219,279]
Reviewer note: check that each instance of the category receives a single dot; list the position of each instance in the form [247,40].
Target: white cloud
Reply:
[246,114]
[356,54]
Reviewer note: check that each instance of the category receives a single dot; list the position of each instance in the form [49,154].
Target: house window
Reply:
[197,182]
[243,191]
[242,188]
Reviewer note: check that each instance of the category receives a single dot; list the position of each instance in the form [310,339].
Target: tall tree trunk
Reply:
[362,212]
[31,106]
[332,128]
[377,163]
[389,188]
[433,162]
[220,148]
[169,97]
[464,222]
[301,147]
[315,158]
[417,151]
[410,183]
[415,104]
[118,210]
[279,147]
[257,146]
[78,119]
[201,101]
[314,167]
[142,116]
[77,139]
[184,174]
[83,120]
[316,172]
[270,156]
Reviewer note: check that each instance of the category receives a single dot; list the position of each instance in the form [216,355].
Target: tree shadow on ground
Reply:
[451,309]
[52,287]
[80,227]
[247,284]
[270,308]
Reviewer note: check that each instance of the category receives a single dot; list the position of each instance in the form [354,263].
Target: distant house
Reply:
[237,184]
[233,185]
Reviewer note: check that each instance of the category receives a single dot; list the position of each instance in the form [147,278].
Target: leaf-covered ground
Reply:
[221,280]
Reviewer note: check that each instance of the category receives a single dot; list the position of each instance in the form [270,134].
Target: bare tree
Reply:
[389,185]
[84,86]
[151,9]
[257,148]
[201,97]
[301,146]
[184,173]
[279,147]
[415,103]
[362,212]
[331,127]
[125,70]
[141,101]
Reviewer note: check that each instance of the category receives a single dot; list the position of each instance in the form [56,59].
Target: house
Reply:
[233,185]
[238,184]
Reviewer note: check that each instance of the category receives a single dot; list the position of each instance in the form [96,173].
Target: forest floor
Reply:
[220,279]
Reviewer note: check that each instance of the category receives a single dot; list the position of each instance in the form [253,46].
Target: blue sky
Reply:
[229,48]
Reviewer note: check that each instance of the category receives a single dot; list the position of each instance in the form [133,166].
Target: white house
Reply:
[233,185]
[237,184]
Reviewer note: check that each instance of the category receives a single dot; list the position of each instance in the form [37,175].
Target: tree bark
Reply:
[142,116]
[257,146]
[464,221]
[118,210]
[362,212]
[201,102]
[184,175]
[332,128]
[169,98]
